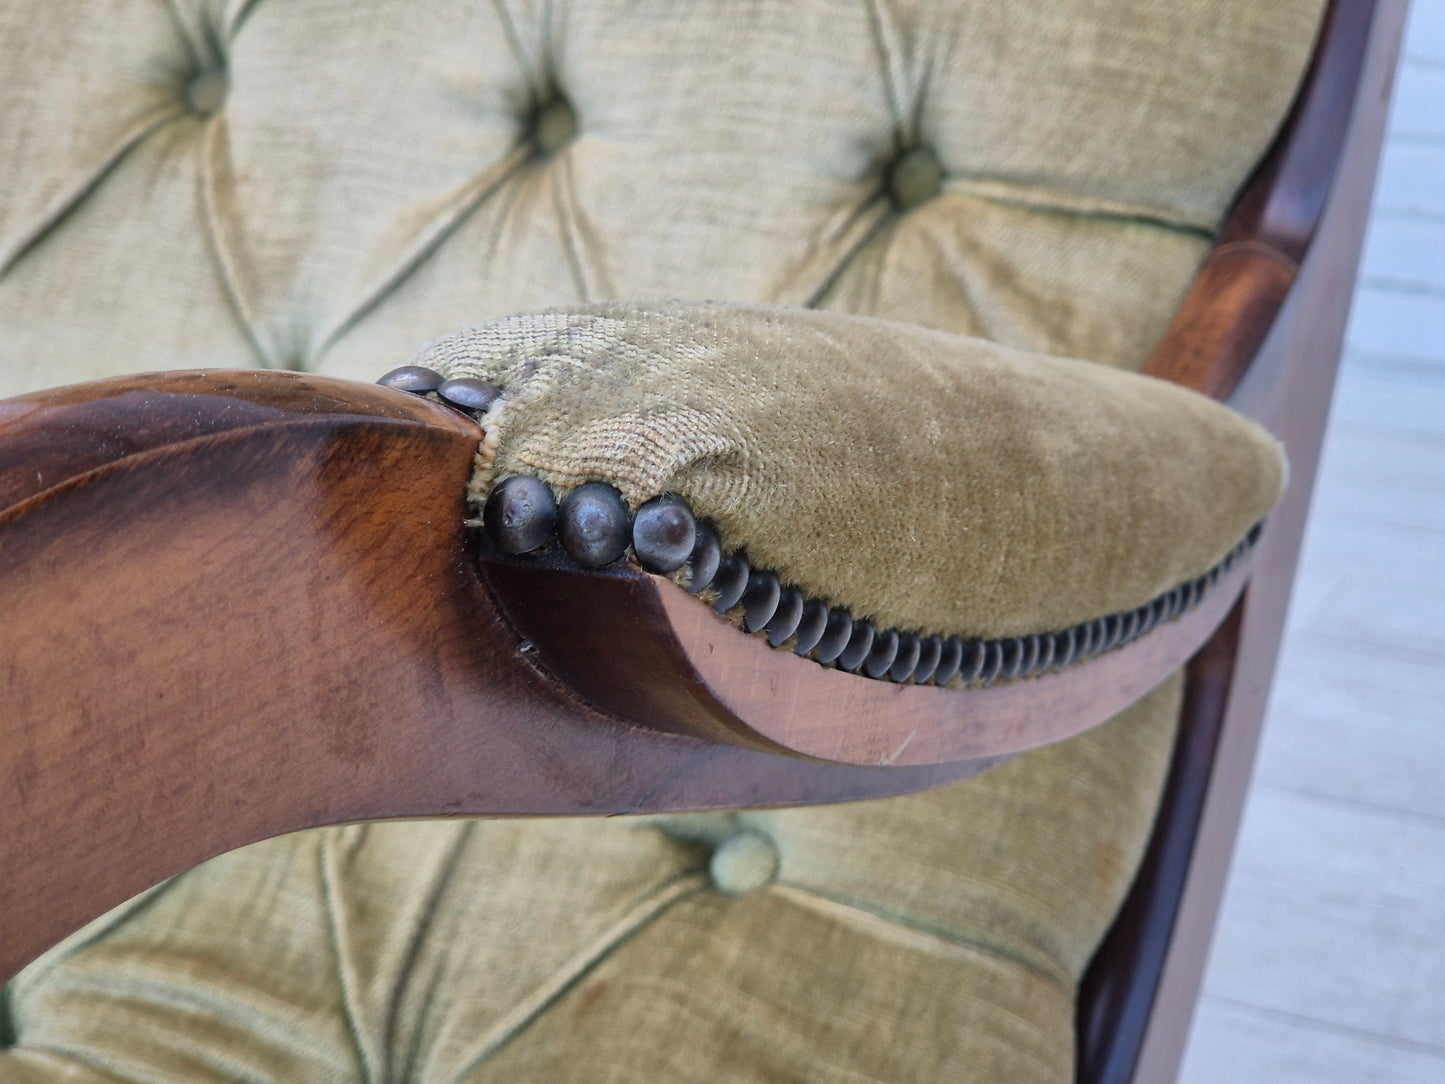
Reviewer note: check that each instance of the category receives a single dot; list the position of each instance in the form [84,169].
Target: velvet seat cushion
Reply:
[934,937]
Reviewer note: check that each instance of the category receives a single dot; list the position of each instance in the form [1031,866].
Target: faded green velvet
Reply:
[369,181]
[923,480]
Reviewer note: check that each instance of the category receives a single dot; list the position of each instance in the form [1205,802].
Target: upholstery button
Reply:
[553,126]
[206,92]
[915,177]
[743,863]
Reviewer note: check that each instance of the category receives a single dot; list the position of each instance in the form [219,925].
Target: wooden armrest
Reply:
[641,648]
[241,604]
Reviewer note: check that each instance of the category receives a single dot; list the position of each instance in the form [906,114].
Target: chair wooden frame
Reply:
[1261,328]
[311,531]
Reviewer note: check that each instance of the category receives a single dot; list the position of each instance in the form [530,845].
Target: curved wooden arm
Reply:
[240,604]
[1235,298]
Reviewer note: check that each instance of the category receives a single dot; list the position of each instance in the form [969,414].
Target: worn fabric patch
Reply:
[923,480]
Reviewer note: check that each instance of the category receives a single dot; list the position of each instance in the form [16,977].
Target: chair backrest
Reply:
[268,184]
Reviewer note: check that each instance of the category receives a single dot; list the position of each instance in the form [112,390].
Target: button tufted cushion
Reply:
[934,937]
[324,185]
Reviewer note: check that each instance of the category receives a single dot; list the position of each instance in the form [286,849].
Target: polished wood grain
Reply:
[317,646]
[1233,302]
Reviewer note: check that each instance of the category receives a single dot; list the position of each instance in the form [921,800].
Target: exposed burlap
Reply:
[924,480]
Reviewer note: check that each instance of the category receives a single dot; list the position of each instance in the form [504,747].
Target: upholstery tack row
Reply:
[596,528]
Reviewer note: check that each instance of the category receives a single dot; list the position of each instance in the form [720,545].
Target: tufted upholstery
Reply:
[315,185]
[933,937]
[339,206]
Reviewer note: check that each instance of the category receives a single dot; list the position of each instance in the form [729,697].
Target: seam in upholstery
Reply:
[99,929]
[194,47]
[549,36]
[65,204]
[238,18]
[348,995]
[512,1023]
[882,224]
[510,199]
[883,30]
[58,1061]
[407,965]
[916,120]
[564,202]
[997,192]
[1012,193]
[894,87]
[423,248]
[211,230]
[166,990]
[205,43]
[912,935]
[509,28]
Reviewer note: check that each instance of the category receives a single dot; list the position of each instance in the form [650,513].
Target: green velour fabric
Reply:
[933,937]
[369,180]
[324,185]
[923,480]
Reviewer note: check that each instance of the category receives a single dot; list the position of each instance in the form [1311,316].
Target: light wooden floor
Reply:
[1329,963]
